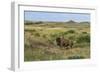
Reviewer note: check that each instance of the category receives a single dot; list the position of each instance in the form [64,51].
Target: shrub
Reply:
[76,57]
[44,36]
[28,23]
[83,38]
[40,22]
[30,30]
[34,30]
[41,29]
[84,32]
[53,36]
[72,38]
[38,43]
[82,45]
[26,45]
[37,34]
[71,31]
[65,33]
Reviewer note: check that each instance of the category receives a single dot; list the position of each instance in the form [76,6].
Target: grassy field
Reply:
[40,40]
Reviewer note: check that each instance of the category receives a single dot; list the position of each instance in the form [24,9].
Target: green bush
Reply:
[83,38]
[82,45]
[71,31]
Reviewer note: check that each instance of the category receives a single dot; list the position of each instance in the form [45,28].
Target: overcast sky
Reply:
[53,16]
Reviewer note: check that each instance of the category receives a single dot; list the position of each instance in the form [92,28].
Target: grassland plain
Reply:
[40,40]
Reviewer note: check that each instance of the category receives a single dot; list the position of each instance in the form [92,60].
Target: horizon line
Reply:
[54,21]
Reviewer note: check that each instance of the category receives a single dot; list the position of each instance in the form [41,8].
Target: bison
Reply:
[62,42]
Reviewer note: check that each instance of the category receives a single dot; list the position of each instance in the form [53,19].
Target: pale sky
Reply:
[53,16]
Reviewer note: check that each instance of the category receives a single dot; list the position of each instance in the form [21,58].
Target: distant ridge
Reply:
[85,22]
[71,22]
[68,22]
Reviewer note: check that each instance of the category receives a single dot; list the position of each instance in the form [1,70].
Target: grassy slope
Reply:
[40,41]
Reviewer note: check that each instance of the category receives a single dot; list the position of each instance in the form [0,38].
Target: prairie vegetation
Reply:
[40,40]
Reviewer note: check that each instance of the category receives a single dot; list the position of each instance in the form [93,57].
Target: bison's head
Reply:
[58,41]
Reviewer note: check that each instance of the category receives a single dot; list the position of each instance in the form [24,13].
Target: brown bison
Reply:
[62,42]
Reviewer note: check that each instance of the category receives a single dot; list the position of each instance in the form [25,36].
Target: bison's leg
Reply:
[71,45]
[66,46]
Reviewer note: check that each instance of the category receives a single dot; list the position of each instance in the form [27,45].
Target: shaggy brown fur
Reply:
[62,42]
